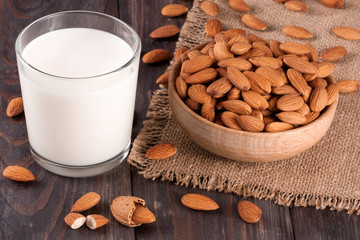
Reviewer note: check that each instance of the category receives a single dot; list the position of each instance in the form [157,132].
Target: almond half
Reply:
[75,220]
[95,221]
[199,202]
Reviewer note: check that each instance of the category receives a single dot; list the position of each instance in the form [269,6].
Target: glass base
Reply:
[80,171]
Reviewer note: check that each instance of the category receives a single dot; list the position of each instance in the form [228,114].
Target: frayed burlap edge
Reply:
[159,113]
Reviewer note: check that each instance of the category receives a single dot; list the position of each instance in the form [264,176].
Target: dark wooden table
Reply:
[36,210]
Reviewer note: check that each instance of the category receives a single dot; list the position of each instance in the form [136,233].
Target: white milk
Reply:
[81,119]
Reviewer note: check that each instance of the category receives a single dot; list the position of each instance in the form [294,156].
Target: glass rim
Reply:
[129,62]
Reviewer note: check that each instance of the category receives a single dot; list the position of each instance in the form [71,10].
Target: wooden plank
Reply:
[36,210]
[309,223]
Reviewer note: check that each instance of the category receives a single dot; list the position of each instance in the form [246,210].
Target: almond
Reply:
[297,32]
[94,221]
[86,202]
[156,55]
[238,63]
[318,99]
[304,110]
[264,47]
[271,75]
[290,102]
[284,89]
[222,51]
[254,38]
[325,69]
[238,79]
[19,174]
[213,27]
[205,50]
[271,62]
[219,87]
[191,54]
[15,107]
[298,82]
[349,33]
[210,8]
[239,5]
[199,63]
[234,32]
[181,87]
[257,114]
[173,10]
[75,220]
[294,48]
[300,65]
[274,46]
[348,85]
[229,120]
[182,73]
[291,117]
[197,92]
[195,106]
[256,52]
[313,54]
[234,93]
[163,79]
[179,52]
[204,76]
[318,82]
[142,214]
[273,103]
[253,22]
[296,6]
[333,93]
[123,209]
[332,3]
[221,37]
[165,31]
[208,110]
[222,72]
[240,48]
[258,83]
[161,151]
[333,54]
[250,123]
[255,100]
[199,202]
[237,106]
[269,119]
[278,127]
[311,117]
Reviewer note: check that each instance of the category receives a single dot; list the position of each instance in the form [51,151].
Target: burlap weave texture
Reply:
[327,175]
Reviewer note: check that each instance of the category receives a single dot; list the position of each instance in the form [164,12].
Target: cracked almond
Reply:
[75,220]
[94,221]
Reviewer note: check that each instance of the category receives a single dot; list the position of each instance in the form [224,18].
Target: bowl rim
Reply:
[175,69]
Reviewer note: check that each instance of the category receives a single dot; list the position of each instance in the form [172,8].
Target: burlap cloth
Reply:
[327,175]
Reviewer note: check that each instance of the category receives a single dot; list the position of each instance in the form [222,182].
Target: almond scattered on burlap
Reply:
[238,5]
[210,8]
[333,54]
[253,22]
[213,27]
[349,33]
[332,3]
[296,6]
[161,151]
[297,32]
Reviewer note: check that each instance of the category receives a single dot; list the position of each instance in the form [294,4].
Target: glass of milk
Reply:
[78,75]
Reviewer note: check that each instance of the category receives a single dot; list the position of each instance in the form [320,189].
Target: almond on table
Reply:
[18,174]
[199,202]
[165,31]
[86,202]
[15,107]
[75,220]
[156,55]
[94,221]
[174,10]
[249,212]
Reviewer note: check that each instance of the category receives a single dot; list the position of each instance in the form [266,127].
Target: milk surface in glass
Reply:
[80,112]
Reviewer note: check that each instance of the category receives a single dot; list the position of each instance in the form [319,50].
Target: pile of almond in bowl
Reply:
[253,85]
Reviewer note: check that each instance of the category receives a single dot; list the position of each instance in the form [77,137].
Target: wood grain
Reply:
[36,210]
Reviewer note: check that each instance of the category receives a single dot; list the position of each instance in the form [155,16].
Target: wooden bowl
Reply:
[242,145]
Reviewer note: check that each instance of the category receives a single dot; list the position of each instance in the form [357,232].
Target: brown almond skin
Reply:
[173,10]
[325,69]
[229,120]
[258,83]
[71,218]
[332,3]
[318,99]
[271,75]
[263,46]
[255,100]
[195,106]
[179,52]
[213,27]
[163,79]
[156,55]
[271,62]
[274,46]
[291,117]
[208,111]
[313,54]
[219,87]
[210,8]
[253,22]
[165,31]
[197,92]
[278,127]
[318,82]
[250,123]
[204,76]
[15,107]
[199,202]
[304,110]
[284,89]
[333,93]
[18,174]
[296,6]
[234,93]
[294,48]
[161,151]
[181,87]
[99,221]
[142,215]
[199,63]
[348,33]
[311,117]
[290,102]
[86,202]
[348,85]
[297,32]
[300,64]
[237,106]
[298,82]
[234,32]
[333,54]
[238,63]
[249,212]
[238,5]
[238,79]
